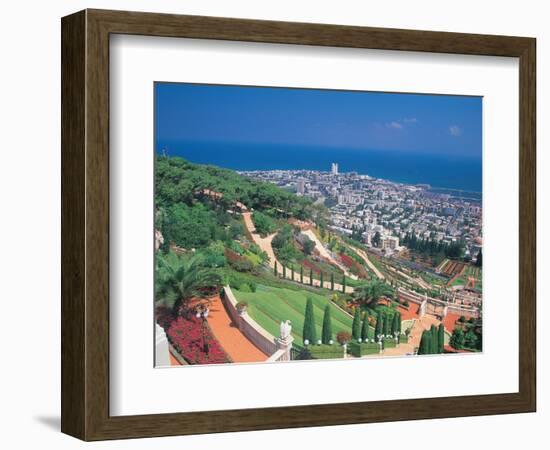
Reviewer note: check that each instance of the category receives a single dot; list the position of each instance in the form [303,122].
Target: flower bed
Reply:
[353,266]
[309,265]
[185,334]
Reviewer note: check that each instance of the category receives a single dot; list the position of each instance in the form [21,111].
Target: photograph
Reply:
[312,224]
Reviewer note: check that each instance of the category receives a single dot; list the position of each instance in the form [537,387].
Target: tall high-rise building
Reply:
[301,187]
[334,169]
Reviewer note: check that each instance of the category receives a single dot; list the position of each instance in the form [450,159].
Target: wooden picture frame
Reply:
[85,224]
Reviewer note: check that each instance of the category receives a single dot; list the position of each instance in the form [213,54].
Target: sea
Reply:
[454,173]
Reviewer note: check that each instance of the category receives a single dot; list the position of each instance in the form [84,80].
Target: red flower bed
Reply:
[353,265]
[186,336]
[311,266]
[348,262]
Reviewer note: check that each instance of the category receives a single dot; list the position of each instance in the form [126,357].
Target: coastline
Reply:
[441,173]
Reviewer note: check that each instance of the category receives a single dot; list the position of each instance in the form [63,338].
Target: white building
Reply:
[334,169]
[390,243]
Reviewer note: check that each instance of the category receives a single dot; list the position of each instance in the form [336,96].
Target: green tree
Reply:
[425,347]
[386,326]
[309,332]
[321,281]
[434,339]
[441,338]
[344,284]
[311,277]
[457,339]
[263,223]
[365,328]
[479,259]
[376,239]
[284,271]
[398,314]
[327,326]
[275,269]
[178,279]
[332,281]
[356,324]
[395,324]
[379,328]
[292,269]
[308,245]
[470,339]
[370,293]
[302,274]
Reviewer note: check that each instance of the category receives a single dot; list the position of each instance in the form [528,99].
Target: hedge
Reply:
[326,351]
[356,349]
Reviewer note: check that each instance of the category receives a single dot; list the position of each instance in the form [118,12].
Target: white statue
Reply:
[284,330]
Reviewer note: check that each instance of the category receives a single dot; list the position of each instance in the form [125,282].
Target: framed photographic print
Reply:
[258,215]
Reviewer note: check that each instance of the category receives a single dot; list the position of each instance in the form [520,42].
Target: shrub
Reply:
[343,337]
[242,264]
[241,306]
[361,349]
[263,223]
[326,351]
[245,287]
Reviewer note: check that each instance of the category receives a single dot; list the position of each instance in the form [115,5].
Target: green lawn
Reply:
[270,305]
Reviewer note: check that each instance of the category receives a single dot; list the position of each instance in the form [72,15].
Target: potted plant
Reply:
[241,307]
[343,338]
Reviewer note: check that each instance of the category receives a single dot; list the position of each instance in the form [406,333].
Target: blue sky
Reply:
[446,125]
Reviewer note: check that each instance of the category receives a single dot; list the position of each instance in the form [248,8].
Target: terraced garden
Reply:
[270,305]
[472,278]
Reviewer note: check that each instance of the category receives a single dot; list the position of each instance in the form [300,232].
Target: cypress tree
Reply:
[284,271]
[321,280]
[292,269]
[365,328]
[302,274]
[344,284]
[356,324]
[395,324]
[311,277]
[425,343]
[398,322]
[441,338]
[275,271]
[379,325]
[386,327]
[327,326]
[309,332]
[332,281]
[479,259]
[434,339]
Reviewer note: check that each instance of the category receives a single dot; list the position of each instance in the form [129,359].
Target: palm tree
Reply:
[178,279]
[368,294]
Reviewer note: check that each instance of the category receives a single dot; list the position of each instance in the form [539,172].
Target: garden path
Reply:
[265,245]
[236,345]
[368,262]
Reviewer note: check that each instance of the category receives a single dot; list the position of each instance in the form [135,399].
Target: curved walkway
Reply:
[265,245]
[326,254]
[368,262]
[236,345]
